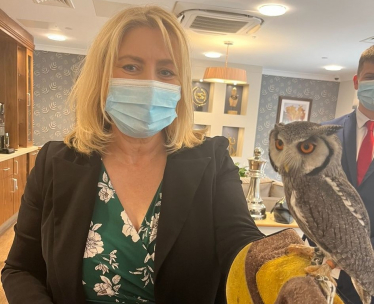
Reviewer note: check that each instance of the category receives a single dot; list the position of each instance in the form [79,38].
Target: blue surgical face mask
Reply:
[141,108]
[365,94]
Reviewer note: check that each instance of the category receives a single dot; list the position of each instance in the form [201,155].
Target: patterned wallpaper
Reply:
[54,74]
[323,93]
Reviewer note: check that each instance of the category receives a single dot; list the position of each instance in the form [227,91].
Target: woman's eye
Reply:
[307,147]
[279,144]
[129,68]
[167,73]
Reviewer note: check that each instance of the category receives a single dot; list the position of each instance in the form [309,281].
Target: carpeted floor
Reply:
[6,240]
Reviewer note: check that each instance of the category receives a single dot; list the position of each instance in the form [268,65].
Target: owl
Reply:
[324,204]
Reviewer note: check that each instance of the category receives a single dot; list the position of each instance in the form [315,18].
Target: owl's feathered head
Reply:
[304,148]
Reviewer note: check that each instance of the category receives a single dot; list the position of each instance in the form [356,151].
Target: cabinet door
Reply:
[31,160]
[6,190]
[19,175]
[6,168]
[8,87]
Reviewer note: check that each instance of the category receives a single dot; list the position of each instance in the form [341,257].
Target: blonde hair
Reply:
[89,93]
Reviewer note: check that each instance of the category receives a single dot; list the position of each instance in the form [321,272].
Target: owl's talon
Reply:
[328,287]
[316,261]
[320,271]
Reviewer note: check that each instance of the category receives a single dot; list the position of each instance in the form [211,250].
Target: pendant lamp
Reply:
[225,74]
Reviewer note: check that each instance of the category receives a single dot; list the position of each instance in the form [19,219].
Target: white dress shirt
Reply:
[361,130]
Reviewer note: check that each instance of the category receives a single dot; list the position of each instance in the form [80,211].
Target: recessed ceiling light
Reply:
[56,37]
[272,9]
[333,68]
[212,55]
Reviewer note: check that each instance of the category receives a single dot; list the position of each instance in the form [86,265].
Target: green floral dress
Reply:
[118,262]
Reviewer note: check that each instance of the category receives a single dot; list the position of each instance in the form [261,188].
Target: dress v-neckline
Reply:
[123,210]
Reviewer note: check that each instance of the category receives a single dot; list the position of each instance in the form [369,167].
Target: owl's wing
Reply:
[334,218]
[351,199]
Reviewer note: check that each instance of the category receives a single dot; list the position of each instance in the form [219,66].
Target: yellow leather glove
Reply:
[263,273]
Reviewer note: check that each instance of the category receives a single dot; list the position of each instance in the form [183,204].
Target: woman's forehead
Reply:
[145,42]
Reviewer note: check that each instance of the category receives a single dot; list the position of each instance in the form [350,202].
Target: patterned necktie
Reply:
[365,156]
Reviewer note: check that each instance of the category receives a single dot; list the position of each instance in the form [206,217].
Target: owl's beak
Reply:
[286,168]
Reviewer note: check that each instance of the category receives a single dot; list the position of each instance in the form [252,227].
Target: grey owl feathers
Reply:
[324,204]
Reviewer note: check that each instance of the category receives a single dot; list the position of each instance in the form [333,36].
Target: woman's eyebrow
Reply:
[165,62]
[135,58]
[140,60]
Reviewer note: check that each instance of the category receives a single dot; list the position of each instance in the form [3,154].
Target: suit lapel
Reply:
[73,203]
[181,180]
[349,151]
[369,172]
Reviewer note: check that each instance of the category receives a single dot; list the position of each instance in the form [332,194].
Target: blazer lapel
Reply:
[349,151]
[74,191]
[181,180]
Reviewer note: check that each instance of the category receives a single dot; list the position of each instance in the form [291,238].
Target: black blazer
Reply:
[204,222]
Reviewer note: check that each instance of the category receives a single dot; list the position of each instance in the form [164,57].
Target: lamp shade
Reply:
[225,75]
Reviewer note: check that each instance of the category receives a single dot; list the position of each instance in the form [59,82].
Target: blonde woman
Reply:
[131,175]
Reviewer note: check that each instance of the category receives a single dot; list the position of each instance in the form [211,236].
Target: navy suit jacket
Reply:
[347,136]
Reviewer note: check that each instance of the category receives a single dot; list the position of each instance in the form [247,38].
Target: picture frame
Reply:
[293,109]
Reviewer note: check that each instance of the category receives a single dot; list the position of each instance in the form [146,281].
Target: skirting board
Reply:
[8,223]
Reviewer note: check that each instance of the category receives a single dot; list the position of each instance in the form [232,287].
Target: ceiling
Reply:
[291,45]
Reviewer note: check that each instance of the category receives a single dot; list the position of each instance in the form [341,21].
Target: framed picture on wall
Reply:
[293,109]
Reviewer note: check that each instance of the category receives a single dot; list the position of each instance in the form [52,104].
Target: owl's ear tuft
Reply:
[330,129]
[279,125]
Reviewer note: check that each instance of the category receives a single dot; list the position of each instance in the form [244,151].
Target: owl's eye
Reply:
[307,147]
[279,144]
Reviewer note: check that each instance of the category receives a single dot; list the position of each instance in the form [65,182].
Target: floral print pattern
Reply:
[94,245]
[154,226]
[106,192]
[118,261]
[128,229]
[107,288]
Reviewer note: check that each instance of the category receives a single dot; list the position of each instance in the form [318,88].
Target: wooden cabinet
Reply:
[13,176]
[16,81]
[7,189]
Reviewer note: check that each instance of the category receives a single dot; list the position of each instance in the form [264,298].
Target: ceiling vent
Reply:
[61,3]
[219,22]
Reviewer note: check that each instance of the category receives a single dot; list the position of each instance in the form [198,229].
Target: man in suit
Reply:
[356,137]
